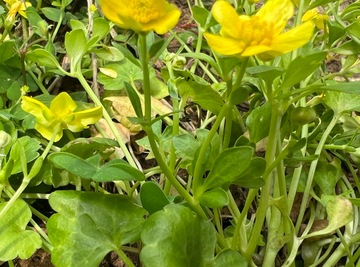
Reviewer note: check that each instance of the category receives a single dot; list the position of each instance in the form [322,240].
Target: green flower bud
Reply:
[5,139]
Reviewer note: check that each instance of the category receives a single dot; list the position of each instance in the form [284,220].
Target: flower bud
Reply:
[5,139]
[179,61]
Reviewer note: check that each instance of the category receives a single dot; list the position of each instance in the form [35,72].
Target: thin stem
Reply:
[146,76]
[106,116]
[312,170]
[265,193]
[124,258]
[58,25]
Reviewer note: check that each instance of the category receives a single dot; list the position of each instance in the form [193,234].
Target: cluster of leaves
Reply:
[302,116]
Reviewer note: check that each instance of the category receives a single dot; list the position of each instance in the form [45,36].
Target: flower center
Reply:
[144,11]
[257,32]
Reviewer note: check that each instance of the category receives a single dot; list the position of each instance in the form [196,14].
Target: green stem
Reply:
[106,116]
[197,181]
[58,25]
[266,190]
[146,76]
[26,179]
[159,158]
[38,83]
[176,121]
[124,258]
[312,171]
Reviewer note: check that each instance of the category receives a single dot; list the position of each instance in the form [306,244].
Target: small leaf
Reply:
[152,197]
[301,67]
[216,198]
[340,212]
[267,73]
[109,54]
[94,224]
[230,258]
[73,164]
[258,122]
[155,47]
[51,13]
[135,100]
[200,15]
[177,237]
[75,43]
[109,72]
[15,240]
[117,172]
[342,102]
[230,164]
[100,28]
[43,58]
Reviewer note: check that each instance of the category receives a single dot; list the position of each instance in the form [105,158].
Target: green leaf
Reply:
[349,48]
[75,44]
[51,13]
[342,102]
[86,147]
[216,198]
[267,73]
[76,24]
[6,50]
[204,57]
[115,172]
[93,225]
[336,31]
[258,122]
[200,94]
[100,28]
[200,15]
[126,72]
[30,145]
[230,164]
[152,197]
[127,54]
[344,87]
[15,240]
[340,213]
[73,164]
[301,67]
[251,178]
[230,258]
[109,54]
[14,92]
[135,100]
[43,58]
[155,47]
[177,237]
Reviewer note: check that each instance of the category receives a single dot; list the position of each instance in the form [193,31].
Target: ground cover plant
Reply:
[183,133]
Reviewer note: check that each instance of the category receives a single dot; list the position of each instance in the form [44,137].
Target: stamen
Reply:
[144,11]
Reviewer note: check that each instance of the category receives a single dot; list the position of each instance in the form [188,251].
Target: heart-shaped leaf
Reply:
[15,240]
[176,237]
[90,225]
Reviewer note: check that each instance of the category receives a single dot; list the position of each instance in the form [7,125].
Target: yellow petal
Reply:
[309,14]
[47,132]
[224,46]
[110,8]
[62,105]
[36,108]
[227,17]
[255,50]
[276,12]
[165,23]
[294,38]
[84,118]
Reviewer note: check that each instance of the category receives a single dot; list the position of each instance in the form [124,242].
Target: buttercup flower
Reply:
[316,15]
[17,6]
[142,15]
[61,112]
[261,35]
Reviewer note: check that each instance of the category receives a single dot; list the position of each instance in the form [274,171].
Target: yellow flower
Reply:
[261,35]
[17,6]
[142,15]
[60,113]
[316,15]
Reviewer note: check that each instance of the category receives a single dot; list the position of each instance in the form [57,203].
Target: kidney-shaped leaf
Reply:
[15,240]
[90,225]
[176,237]
[230,164]
[152,197]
